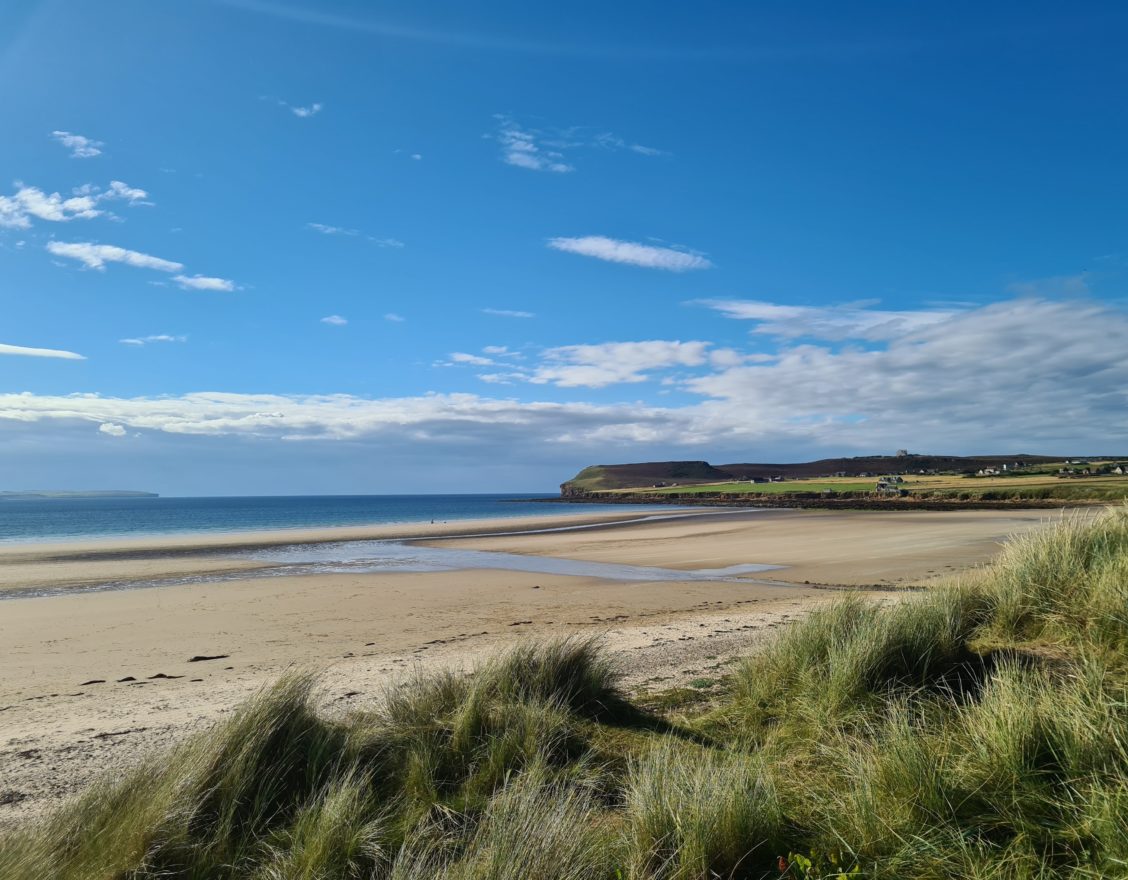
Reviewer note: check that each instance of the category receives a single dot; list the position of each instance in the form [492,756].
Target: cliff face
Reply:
[601,477]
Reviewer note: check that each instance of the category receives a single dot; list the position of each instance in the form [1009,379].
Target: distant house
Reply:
[1120,469]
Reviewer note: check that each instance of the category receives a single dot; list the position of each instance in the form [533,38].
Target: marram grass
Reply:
[978,730]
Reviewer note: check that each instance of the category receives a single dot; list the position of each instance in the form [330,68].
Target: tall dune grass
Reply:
[978,730]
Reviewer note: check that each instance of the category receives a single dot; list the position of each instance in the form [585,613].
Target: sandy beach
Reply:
[94,680]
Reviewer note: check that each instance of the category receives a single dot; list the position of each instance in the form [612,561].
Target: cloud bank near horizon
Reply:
[1018,375]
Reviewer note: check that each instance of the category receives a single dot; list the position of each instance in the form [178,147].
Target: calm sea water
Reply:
[56,520]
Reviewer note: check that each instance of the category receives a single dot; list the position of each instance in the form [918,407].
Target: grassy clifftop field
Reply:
[918,478]
[977,730]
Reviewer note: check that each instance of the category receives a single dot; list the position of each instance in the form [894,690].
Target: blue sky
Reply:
[250,246]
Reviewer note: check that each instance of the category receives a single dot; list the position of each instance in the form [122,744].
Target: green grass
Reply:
[768,488]
[978,730]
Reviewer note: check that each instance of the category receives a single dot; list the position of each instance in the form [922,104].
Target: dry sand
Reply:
[94,680]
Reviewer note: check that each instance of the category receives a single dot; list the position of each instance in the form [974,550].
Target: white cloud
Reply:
[614,142]
[305,112]
[631,252]
[326,229]
[522,148]
[111,428]
[335,320]
[23,351]
[203,282]
[508,313]
[853,321]
[461,357]
[120,190]
[301,111]
[95,256]
[157,337]
[81,147]
[394,318]
[1019,375]
[611,363]
[17,211]
[29,202]
[416,156]
[434,419]
[1022,372]
[547,149]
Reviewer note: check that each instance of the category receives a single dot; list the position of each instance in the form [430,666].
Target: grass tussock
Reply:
[979,730]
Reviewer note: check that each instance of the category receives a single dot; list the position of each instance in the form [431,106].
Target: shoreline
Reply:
[205,542]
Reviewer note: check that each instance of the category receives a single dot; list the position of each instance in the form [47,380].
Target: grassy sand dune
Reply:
[976,730]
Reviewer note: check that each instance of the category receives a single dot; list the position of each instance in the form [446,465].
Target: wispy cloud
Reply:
[29,202]
[508,313]
[836,322]
[547,149]
[610,141]
[335,320]
[612,363]
[599,365]
[461,357]
[81,147]
[203,282]
[157,337]
[632,253]
[24,351]
[394,318]
[95,256]
[301,111]
[524,148]
[326,229]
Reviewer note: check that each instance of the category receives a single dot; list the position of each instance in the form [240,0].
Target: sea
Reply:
[63,519]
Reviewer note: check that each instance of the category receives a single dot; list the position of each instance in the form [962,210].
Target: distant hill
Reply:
[643,475]
[62,494]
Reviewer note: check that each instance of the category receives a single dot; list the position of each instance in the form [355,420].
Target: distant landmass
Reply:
[863,482]
[644,475]
[62,494]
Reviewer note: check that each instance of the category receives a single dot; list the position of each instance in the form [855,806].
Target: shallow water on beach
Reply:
[392,557]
